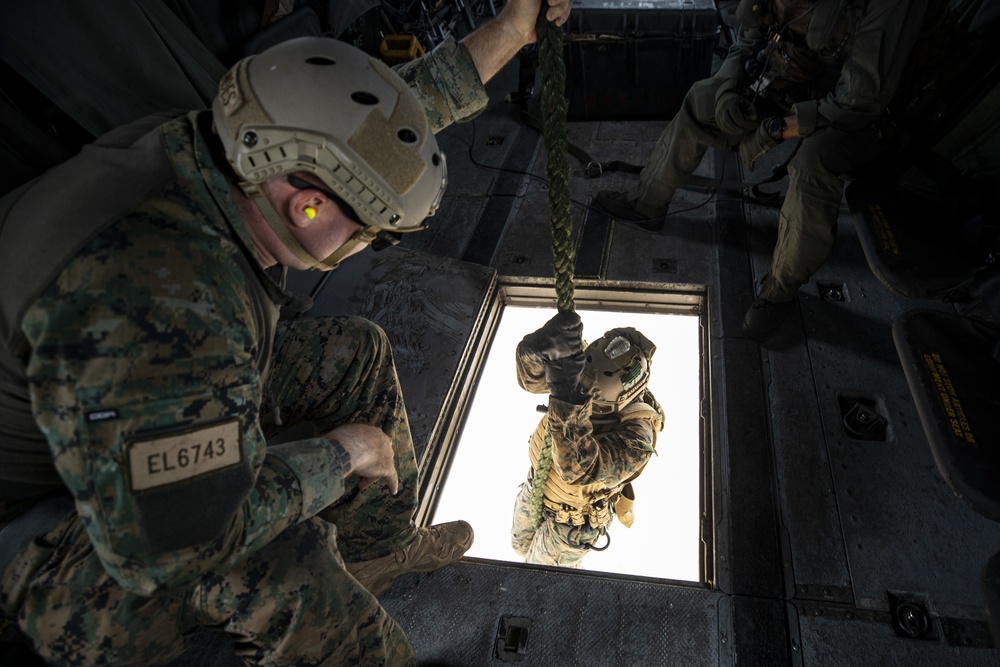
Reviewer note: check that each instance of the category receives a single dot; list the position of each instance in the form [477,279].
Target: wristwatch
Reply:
[775,126]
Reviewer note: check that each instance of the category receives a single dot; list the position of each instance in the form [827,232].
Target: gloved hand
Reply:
[563,377]
[733,113]
[754,146]
[560,337]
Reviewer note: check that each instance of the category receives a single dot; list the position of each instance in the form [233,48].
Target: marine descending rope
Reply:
[550,40]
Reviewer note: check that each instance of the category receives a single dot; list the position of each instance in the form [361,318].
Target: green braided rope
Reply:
[539,478]
[550,39]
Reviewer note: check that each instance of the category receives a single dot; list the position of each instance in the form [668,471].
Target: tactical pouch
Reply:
[624,504]
[600,514]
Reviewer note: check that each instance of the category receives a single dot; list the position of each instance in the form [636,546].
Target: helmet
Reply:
[321,106]
[617,368]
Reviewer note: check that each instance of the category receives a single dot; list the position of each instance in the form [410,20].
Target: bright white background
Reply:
[491,458]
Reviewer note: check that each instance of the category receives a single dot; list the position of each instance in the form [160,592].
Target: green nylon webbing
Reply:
[550,41]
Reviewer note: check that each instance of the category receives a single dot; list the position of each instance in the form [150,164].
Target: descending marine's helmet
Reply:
[617,368]
[321,106]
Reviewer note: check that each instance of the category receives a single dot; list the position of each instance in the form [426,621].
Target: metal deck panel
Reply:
[901,521]
[861,643]
[452,617]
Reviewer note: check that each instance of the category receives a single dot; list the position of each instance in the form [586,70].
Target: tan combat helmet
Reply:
[321,106]
[617,368]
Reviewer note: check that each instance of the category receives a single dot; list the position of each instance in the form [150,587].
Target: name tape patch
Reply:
[102,415]
[162,461]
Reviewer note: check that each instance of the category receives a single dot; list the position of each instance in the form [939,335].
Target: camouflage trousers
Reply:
[290,603]
[332,371]
[808,218]
[552,543]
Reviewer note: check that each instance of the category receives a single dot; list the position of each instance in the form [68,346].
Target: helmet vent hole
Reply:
[436,159]
[320,60]
[366,98]
[609,374]
[407,136]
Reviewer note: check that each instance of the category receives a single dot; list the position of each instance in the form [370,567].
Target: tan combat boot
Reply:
[433,548]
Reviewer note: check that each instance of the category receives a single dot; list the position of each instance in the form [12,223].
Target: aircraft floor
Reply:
[816,538]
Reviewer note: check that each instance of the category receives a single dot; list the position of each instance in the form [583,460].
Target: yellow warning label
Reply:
[885,234]
[949,399]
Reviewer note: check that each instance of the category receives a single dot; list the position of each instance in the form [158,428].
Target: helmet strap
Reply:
[362,238]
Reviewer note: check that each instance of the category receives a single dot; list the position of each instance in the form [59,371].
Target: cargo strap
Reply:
[37,520]
[592,167]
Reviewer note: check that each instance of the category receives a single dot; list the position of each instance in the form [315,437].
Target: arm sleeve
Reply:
[748,42]
[872,72]
[145,384]
[581,457]
[447,83]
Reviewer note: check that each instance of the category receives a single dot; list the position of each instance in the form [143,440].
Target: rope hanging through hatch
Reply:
[553,68]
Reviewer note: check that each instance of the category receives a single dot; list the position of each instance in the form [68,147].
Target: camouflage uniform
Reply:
[144,370]
[447,85]
[857,69]
[591,462]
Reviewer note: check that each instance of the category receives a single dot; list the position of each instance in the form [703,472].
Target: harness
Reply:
[805,46]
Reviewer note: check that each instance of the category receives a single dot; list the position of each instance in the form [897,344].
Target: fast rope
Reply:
[550,38]
[550,43]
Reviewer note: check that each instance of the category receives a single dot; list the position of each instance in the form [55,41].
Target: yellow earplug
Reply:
[310,212]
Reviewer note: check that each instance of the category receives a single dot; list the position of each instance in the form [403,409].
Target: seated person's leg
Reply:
[677,154]
[293,602]
[680,148]
[75,613]
[808,222]
[331,371]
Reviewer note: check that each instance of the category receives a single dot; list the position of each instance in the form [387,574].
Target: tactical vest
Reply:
[806,46]
[124,167]
[577,504]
